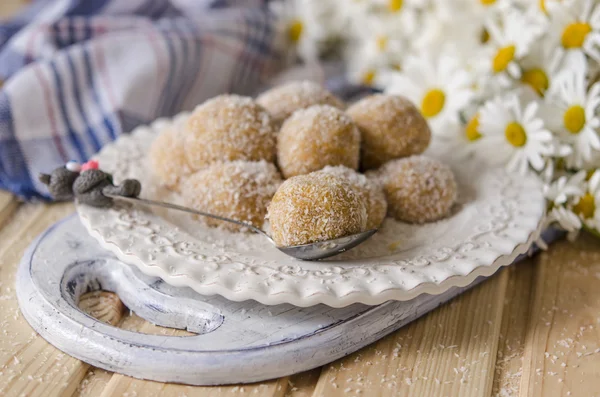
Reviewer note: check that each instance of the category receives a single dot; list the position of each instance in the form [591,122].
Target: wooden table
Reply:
[531,330]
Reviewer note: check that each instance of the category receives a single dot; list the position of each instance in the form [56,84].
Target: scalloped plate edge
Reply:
[320,298]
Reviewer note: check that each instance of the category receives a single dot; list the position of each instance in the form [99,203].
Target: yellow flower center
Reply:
[586,207]
[395,5]
[295,29]
[381,42]
[472,129]
[503,57]
[396,66]
[515,134]
[574,34]
[537,79]
[487,2]
[542,5]
[368,77]
[574,119]
[433,103]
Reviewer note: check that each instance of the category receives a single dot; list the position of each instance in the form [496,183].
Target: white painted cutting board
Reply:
[235,342]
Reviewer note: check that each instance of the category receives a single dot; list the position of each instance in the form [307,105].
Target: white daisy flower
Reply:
[440,88]
[513,136]
[400,16]
[561,195]
[457,138]
[594,162]
[588,205]
[575,27]
[476,9]
[540,66]
[541,5]
[439,33]
[571,112]
[564,189]
[566,218]
[536,10]
[510,39]
[364,67]
[379,50]
[307,25]
[397,6]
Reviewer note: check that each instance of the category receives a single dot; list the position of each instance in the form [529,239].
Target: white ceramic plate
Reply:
[498,216]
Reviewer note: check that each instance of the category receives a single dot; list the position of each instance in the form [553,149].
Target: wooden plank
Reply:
[303,384]
[562,348]
[450,352]
[103,305]
[107,307]
[94,382]
[29,365]
[511,343]
[8,205]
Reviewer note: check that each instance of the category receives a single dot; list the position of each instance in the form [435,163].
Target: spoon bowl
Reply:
[328,248]
[308,252]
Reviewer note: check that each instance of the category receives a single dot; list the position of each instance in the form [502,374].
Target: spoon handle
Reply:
[137,200]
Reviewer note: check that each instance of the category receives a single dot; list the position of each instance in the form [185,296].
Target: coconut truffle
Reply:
[227,128]
[315,137]
[369,190]
[418,189]
[167,158]
[315,207]
[239,190]
[391,127]
[285,99]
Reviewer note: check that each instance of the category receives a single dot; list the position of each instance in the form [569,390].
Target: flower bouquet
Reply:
[514,82]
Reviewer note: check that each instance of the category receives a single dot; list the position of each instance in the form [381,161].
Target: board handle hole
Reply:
[111,292]
[106,306]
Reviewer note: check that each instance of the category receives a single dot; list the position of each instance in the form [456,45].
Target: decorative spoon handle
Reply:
[137,200]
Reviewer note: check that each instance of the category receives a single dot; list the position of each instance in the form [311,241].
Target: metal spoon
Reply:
[308,252]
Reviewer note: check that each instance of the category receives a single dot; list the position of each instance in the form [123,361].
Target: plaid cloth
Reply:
[78,73]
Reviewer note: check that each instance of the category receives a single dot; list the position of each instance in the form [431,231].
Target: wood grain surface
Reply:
[532,330]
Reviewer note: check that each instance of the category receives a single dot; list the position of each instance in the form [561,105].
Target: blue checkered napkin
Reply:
[78,73]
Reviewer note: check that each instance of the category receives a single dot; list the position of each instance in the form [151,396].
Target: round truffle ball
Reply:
[240,190]
[315,137]
[227,128]
[285,99]
[315,207]
[370,191]
[167,158]
[418,189]
[391,127]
